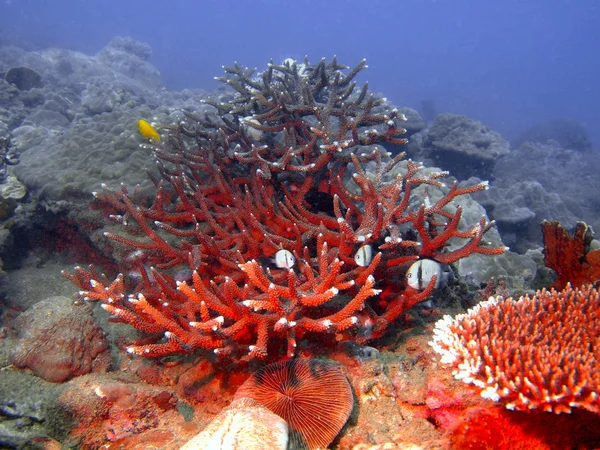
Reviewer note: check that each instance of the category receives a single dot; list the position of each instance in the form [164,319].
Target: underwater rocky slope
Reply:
[273,218]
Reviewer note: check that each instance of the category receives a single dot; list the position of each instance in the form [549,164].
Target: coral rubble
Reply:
[289,164]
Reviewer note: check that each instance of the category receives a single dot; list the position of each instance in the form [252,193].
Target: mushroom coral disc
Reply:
[312,396]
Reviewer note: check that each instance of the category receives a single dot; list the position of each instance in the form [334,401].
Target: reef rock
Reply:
[23,78]
[129,57]
[414,122]
[59,340]
[463,146]
[113,411]
[554,182]
[519,208]
[245,424]
[568,134]
[24,410]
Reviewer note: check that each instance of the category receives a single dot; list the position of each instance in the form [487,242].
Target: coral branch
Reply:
[570,257]
[285,214]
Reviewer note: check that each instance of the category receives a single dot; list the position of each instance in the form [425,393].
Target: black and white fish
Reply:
[421,272]
[363,256]
[284,259]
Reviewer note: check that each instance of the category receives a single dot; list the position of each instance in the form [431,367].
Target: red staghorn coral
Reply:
[279,172]
[537,352]
[570,257]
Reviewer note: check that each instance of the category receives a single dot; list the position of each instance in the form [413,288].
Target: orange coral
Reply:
[570,257]
[538,352]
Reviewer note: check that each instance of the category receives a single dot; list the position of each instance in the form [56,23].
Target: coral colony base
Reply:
[290,220]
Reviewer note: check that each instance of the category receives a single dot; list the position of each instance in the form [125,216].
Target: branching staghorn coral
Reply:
[268,203]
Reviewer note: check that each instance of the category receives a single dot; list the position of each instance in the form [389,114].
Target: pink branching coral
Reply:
[269,205]
[538,352]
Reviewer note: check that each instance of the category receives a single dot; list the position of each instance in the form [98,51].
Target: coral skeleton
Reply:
[290,163]
[539,352]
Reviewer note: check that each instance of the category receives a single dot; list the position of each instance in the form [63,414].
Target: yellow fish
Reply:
[147,130]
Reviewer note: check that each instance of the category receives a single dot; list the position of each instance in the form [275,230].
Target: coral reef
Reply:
[127,56]
[237,175]
[537,352]
[287,169]
[528,184]
[518,271]
[518,210]
[78,129]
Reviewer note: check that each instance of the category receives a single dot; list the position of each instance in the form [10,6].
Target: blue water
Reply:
[510,63]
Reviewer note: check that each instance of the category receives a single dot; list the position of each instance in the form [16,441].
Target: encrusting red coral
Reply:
[270,206]
[495,428]
[570,257]
[538,352]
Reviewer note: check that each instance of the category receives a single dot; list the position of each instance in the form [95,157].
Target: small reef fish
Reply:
[284,259]
[421,272]
[249,123]
[147,130]
[363,256]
